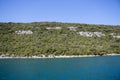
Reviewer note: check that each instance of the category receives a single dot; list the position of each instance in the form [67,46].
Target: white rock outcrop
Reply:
[53,28]
[24,32]
[72,28]
[112,34]
[117,37]
[91,34]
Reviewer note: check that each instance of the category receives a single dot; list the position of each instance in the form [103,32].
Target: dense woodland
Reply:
[57,42]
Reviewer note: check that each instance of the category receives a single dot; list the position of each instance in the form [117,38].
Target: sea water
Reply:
[90,68]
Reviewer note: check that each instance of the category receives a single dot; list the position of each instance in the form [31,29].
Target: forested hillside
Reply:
[55,38]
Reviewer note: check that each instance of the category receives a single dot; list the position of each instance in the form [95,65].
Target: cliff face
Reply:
[52,38]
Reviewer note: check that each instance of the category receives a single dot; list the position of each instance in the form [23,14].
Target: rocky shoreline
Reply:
[60,56]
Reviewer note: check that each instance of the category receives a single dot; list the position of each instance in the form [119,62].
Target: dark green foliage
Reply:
[56,42]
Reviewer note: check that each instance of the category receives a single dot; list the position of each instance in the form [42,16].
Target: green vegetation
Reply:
[57,42]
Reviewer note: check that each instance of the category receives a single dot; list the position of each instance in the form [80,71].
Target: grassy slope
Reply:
[56,42]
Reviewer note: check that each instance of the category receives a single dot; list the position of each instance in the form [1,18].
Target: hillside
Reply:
[55,38]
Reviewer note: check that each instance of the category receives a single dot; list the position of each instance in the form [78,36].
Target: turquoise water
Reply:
[95,68]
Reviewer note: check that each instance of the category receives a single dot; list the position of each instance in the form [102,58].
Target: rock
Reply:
[91,34]
[72,28]
[53,28]
[24,32]
[117,37]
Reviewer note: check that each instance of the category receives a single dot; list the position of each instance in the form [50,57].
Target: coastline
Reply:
[60,56]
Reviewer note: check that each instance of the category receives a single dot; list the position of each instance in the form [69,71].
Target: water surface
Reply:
[92,68]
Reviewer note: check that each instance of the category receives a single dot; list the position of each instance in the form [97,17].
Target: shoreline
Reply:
[60,56]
